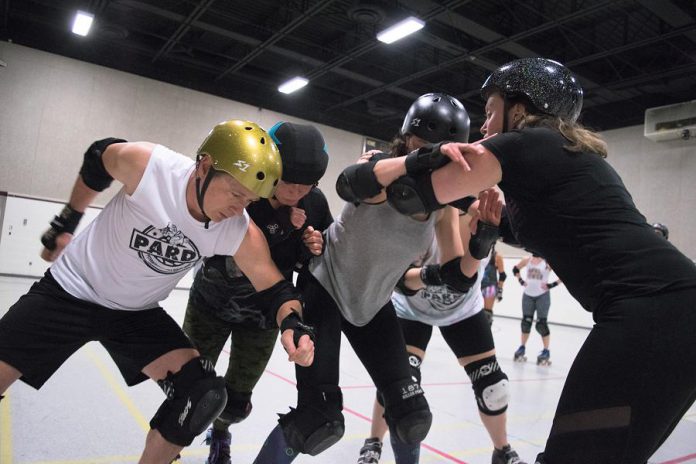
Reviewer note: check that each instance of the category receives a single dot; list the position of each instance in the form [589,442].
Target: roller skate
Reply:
[544,358]
[370,452]
[520,354]
[507,455]
[219,442]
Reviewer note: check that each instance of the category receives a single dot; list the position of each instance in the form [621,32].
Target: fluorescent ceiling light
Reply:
[293,84]
[400,30]
[82,23]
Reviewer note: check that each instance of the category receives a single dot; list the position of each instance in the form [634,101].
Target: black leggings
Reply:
[630,384]
[379,345]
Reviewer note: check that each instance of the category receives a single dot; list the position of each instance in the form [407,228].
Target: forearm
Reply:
[286,309]
[81,196]
[388,170]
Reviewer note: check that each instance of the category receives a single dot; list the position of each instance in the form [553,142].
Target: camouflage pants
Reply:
[250,348]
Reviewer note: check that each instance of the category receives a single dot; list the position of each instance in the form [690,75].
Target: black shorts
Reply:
[465,338]
[47,325]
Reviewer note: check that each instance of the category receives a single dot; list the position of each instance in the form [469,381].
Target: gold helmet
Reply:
[246,152]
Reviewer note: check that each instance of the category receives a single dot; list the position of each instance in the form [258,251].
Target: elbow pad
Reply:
[516,271]
[502,276]
[358,182]
[482,242]
[93,172]
[413,195]
[450,274]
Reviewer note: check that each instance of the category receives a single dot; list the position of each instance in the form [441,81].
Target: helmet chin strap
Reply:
[201,189]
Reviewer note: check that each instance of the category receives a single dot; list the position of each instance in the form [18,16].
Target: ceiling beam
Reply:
[183,28]
[282,33]
[671,14]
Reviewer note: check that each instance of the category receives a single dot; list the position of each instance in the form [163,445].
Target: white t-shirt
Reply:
[440,305]
[537,274]
[137,249]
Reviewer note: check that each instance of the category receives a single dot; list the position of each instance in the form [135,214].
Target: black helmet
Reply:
[302,151]
[549,85]
[436,117]
[662,229]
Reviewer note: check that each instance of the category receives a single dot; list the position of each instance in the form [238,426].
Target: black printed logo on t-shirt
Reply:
[166,251]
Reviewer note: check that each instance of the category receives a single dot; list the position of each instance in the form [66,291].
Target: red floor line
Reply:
[681,459]
[361,416]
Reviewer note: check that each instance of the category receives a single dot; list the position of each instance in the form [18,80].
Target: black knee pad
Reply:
[490,386]
[527,324]
[414,362]
[317,423]
[406,411]
[238,407]
[195,397]
[542,327]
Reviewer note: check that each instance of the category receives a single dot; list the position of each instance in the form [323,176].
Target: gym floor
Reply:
[86,414]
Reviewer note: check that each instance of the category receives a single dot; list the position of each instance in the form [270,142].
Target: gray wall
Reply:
[52,108]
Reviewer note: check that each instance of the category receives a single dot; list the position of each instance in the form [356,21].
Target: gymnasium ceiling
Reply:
[629,54]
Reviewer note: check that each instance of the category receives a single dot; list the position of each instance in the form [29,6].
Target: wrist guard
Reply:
[425,159]
[66,221]
[293,321]
[499,293]
[481,243]
[552,284]
[521,281]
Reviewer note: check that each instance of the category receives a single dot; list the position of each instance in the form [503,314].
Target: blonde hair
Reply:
[580,138]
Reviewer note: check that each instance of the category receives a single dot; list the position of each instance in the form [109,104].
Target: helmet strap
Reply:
[201,189]
[506,108]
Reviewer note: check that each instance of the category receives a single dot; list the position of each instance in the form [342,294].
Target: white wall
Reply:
[52,108]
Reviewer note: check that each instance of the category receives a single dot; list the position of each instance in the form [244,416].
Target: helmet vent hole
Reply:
[275,182]
[260,175]
[436,99]
[452,130]
[247,128]
[263,140]
[432,126]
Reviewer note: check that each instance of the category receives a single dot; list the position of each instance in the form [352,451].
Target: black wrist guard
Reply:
[430,275]
[293,321]
[521,281]
[499,293]
[481,243]
[66,221]
[463,203]
[552,284]
[426,158]
[93,172]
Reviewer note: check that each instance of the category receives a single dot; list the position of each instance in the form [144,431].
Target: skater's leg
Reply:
[617,407]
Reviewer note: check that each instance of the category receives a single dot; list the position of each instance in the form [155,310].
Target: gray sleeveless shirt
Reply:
[368,248]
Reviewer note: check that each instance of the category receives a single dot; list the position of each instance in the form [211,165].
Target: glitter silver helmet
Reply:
[436,117]
[549,85]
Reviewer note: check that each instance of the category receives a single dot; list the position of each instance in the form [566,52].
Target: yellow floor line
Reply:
[118,390]
[5,431]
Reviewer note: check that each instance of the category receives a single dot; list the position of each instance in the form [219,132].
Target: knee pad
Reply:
[195,397]
[406,411]
[490,386]
[317,423]
[414,362]
[527,324]
[238,407]
[542,327]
